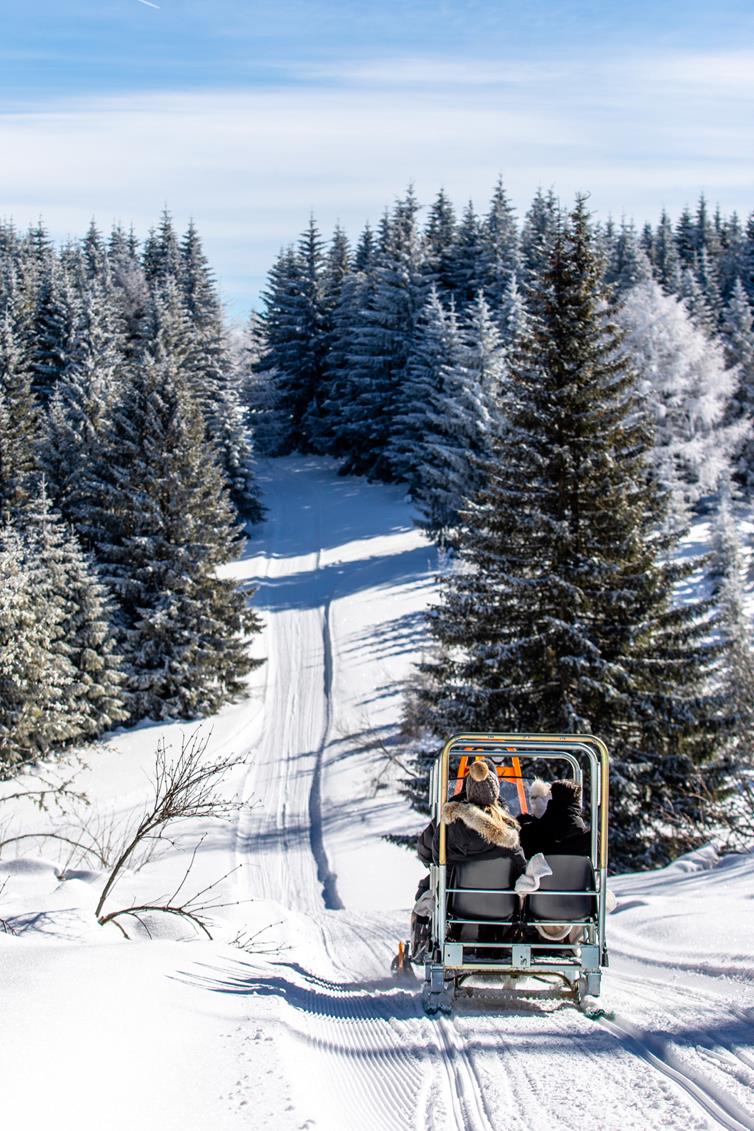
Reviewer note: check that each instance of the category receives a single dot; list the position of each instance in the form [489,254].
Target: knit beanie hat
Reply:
[482,786]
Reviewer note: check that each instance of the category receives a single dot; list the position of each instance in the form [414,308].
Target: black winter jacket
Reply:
[560,831]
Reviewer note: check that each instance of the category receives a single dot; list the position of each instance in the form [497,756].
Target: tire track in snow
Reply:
[367,1037]
[725,1111]
[465,1087]
[655,994]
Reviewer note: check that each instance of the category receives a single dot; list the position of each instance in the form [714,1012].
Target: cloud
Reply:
[250,164]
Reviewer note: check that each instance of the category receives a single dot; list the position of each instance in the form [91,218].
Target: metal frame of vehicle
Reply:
[576,965]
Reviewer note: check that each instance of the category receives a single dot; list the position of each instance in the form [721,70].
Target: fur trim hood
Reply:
[493,826]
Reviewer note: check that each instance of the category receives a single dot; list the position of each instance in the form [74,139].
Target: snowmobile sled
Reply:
[554,934]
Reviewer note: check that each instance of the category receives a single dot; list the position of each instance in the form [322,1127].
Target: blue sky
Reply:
[249,115]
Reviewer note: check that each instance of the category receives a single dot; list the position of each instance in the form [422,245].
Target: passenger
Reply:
[479,826]
[561,830]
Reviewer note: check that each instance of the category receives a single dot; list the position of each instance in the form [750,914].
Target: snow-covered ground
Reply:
[305,1028]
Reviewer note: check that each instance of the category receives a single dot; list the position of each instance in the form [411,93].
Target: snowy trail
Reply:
[384,1057]
[307,1030]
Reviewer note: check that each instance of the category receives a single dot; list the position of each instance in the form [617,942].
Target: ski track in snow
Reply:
[390,1066]
[320,1037]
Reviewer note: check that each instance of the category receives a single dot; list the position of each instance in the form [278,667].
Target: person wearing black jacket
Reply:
[561,830]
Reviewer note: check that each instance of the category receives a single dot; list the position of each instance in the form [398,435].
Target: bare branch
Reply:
[186,788]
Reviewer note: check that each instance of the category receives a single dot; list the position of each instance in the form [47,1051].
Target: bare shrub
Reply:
[184,789]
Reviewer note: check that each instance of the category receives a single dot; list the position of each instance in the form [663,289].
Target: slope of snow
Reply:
[305,1029]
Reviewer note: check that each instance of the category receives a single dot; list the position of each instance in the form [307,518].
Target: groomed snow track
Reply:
[341,1020]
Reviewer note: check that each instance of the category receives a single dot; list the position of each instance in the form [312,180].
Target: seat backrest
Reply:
[493,874]
[569,873]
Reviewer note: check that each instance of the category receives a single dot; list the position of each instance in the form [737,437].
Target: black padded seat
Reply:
[492,873]
[569,873]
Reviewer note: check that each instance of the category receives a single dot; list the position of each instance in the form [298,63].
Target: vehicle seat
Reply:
[493,873]
[574,873]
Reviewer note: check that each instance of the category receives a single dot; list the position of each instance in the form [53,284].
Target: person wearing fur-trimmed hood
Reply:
[479,826]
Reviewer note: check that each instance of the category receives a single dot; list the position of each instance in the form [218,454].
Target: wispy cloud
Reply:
[249,164]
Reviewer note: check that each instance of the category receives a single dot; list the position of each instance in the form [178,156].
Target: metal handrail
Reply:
[591,746]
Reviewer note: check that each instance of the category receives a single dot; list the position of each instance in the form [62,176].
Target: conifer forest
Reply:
[562,398]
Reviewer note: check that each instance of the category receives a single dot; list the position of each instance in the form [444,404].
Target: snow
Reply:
[304,1028]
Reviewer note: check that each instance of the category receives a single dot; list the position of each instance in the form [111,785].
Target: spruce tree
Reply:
[81,404]
[435,345]
[738,341]
[380,344]
[465,266]
[500,254]
[50,330]
[161,257]
[559,615]
[161,527]
[627,263]
[737,667]
[455,436]
[539,228]
[18,415]
[213,376]
[90,700]
[36,673]
[296,340]
[665,257]
[440,235]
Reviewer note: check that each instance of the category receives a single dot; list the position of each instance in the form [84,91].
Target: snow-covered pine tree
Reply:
[50,330]
[538,230]
[696,303]
[160,527]
[747,271]
[94,256]
[731,262]
[318,420]
[667,266]
[435,344]
[738,341]
[465,266]
[559,614]
[686,383]
[296,339]
[627,263]
[708,278]
[341,380]
[706,235]
[161,258]
[81,404]
[442,428]
[18,414]
[686,240]
[499,257]
[214,378]
[735,631]
[454,444]
[366,248]
[91,700]
[440,235]
[380,344]
[36,673]
[130,290]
